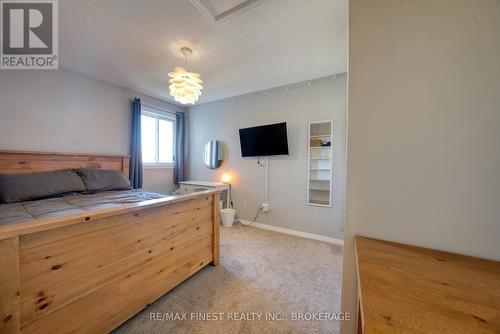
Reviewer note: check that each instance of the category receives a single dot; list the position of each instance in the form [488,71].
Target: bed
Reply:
[94,264]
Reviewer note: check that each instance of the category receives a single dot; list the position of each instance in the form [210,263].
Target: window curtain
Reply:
[135,166]
[179,166]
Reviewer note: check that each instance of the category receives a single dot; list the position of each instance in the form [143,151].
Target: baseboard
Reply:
[296,233]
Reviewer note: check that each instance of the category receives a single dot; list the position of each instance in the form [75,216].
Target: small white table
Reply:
[188,186]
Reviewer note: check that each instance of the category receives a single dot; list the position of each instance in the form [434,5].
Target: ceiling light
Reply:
[185,86]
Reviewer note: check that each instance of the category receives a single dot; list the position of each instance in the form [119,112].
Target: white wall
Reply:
[159,180]
[287,189]
[424,127]
[64,111]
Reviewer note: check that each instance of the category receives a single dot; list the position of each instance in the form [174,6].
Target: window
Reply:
[157,133]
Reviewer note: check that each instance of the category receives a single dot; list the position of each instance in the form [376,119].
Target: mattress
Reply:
[70,204]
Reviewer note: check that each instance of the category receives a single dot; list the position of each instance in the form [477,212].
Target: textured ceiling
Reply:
[135,43]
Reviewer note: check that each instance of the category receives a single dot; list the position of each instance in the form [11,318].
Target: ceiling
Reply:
[221,6]
[135,43]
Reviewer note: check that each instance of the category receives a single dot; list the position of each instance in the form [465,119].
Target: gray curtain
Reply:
[179,166]
[136,146]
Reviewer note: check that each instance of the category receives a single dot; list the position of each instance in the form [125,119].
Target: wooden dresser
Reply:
[406,289]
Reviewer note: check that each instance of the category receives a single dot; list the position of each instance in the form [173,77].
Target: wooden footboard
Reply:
[90,273]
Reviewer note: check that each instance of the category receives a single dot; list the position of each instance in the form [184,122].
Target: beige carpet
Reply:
[261,272]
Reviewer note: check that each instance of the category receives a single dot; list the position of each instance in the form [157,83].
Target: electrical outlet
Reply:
[265,207]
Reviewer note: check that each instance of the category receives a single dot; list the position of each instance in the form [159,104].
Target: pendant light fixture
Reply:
[185,86]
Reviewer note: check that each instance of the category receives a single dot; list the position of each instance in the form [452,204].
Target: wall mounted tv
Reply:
[261,141]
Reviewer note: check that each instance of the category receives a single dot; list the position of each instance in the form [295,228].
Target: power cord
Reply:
[231,204]
[237,219]
[230,197]
[254,219]
[257,215]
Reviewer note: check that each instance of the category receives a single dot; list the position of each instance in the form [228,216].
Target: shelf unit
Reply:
[319,163]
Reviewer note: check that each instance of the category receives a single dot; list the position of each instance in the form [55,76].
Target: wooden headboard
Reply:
[17,162]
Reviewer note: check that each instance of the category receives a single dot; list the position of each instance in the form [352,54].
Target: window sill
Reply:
[168,166]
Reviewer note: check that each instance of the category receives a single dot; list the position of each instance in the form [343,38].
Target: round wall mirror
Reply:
[213,154]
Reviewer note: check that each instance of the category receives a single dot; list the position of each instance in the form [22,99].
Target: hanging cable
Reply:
[230,197]
[267,179]
[257,215]
[231,204]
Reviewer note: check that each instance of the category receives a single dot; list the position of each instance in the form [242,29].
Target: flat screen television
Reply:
[261,141]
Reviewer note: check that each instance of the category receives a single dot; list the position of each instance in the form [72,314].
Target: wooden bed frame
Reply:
[88,273]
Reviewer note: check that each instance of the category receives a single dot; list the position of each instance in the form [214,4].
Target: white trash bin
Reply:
[227,217]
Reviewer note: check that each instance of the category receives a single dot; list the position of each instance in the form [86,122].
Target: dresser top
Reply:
[205,184]
[407,289]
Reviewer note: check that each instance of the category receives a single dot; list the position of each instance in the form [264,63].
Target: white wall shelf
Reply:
[320,162]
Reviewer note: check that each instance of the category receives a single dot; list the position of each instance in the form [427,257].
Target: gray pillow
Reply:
[97,180]
[33,186]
